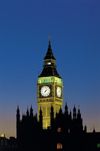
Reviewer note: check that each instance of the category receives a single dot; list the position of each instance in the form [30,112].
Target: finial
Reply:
[94,129]
[49,37]
[17,106]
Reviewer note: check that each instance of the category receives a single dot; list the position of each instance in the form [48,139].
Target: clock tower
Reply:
[49,88]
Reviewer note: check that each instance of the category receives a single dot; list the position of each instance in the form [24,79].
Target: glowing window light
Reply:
[68,130]
[39,81]
[59,146]
[98,145]
[2,135]
[49,63]
[59,129]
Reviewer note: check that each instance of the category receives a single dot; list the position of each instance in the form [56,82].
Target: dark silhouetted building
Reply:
[53,129]
[65,132]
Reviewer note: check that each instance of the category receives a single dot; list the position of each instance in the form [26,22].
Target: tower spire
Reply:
[49,37]
[49,68]
[49,54]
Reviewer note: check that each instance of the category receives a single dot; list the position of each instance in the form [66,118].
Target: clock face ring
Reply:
[45,91]
[58,91]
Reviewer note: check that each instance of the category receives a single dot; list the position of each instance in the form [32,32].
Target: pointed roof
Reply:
[66,107]
[50,71]
[27,112]
[60,111]
[74,109]
[49,54]
[52,108]
[31,110]
[18,109]
[40,111]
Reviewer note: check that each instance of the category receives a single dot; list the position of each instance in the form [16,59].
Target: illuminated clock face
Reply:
[45,91]
[58,91]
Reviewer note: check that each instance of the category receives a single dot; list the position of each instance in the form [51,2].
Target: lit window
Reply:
[59,129]
[68,130]
[49,63]
[2,135]
[59,146]
[98,145]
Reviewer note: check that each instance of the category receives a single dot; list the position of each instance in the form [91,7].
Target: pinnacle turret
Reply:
[66,109]
[27,112]
[31,111]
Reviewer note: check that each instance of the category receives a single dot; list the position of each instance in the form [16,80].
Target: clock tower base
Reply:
[46,110]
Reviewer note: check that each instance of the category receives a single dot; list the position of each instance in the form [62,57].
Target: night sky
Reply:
[74,27]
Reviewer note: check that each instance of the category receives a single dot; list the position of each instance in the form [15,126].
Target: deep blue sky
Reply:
[74,27]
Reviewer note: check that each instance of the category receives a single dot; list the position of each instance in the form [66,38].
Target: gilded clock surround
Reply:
[40,88]
[49,77]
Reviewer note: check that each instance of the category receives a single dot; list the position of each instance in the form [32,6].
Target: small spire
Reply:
[18,111]
[93,129]
[31,111]
[85,128]
[17,106]
[49,37]
[66,108]
[70,114]
[51,108]
[74,109]
[40,111]
[27,111]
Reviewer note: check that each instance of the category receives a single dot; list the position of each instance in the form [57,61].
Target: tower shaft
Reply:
[49,88]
